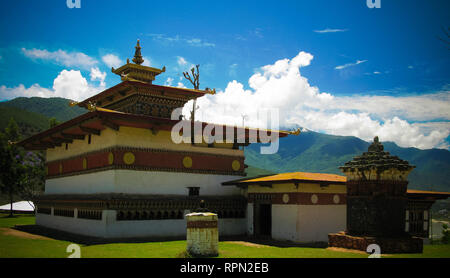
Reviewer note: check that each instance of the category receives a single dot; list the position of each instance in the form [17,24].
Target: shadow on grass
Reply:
[186,255]
[89,240]
[275,243]
[86,240]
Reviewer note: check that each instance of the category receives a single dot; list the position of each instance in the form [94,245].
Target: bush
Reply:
[445,233]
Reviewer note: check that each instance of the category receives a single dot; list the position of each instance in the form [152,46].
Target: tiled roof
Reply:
[320,177]
[100,118]
[291,177]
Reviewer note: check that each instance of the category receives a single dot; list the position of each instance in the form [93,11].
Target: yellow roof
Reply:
[303,176]
[413,191]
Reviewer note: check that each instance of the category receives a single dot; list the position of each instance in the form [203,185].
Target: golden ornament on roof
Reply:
[137,54]
[136,71]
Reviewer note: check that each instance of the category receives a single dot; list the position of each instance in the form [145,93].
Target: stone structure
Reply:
[202,234]
[377,203]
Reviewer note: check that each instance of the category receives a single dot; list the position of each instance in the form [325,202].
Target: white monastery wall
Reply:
[284,222]
[250,219]
[99,182]
[315,222]
[141,182]
[108,227]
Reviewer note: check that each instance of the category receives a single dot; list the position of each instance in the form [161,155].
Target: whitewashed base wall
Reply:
[108,227]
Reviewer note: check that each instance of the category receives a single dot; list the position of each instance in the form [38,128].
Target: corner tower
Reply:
[376,203]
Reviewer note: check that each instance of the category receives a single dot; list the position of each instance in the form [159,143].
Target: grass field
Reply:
[18,244]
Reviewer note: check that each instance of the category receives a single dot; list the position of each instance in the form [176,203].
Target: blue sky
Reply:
[392,52]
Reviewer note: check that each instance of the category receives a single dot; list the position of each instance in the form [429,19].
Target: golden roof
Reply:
[293,177]
[136,71]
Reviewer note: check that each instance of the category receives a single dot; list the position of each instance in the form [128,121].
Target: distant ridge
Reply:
[50,107]
[308,152]
[315,152]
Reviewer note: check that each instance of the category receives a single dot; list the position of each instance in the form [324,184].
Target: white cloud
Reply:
[281,86]
[199,43]
[146,62]
[168,82]
[180,85]
[21,91]
[112,60]
[183,65]
[68,84]
[258,32]
[181,61]
[328,30]
[350,64]
[73,59]
[414,108]
[196,42]
[72,85]
[232,70]
[96,74]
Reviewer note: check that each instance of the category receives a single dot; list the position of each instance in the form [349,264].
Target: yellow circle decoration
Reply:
[285,198]
[187,162]
[84,163]
[314,198]
[60,168]
[336,199]
[236,165]
[110,158]
[128,158]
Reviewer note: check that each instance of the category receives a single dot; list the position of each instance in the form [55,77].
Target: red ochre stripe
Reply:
[150,159]
[298,198]
[201,224]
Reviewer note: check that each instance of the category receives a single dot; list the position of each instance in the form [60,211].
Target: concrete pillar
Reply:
[202,234]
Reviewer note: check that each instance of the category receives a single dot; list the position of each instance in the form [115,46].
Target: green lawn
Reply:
[19,245]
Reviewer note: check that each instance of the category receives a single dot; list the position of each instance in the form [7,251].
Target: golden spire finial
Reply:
[137,54]
[295,132]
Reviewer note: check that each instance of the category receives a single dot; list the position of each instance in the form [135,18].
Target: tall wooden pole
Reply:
[195,81]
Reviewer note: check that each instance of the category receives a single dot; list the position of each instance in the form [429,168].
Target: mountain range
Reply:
[321,153]
[308,152]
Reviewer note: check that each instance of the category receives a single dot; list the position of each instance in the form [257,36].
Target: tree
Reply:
[23,173]
[31,182]
[10,155]
[196,83]
[445,233]
[53,122]
[446,36]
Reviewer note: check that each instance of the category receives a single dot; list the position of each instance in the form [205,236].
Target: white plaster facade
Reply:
[109,227]
[141,182]
[303,223]
[314,223]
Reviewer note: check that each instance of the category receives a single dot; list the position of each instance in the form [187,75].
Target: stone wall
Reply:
[202,234]
[387,245]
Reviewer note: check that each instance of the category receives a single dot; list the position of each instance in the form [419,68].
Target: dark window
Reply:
[89,139]
[194,191]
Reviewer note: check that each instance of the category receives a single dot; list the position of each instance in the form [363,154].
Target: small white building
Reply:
[18,207]
[300,207]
